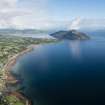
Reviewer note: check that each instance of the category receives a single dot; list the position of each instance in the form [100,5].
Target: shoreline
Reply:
[9,79]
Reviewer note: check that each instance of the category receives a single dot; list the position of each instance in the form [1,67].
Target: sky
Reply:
[43,14]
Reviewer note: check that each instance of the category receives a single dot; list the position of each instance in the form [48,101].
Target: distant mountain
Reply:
[71,35]
[18,31]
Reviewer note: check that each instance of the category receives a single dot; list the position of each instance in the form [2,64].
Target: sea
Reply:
[67,72]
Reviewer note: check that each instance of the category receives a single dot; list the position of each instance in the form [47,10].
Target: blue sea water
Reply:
[65,72]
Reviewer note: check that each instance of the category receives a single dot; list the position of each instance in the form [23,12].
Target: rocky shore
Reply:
[10,80]
[11,48]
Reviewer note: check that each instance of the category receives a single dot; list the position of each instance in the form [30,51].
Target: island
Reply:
[70,35]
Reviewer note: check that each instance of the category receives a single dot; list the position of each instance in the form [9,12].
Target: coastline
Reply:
[9,79]
[11,48]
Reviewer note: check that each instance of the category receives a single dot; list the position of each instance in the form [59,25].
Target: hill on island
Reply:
[71,35]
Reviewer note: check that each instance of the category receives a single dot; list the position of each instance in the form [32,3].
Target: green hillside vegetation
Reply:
[9,46]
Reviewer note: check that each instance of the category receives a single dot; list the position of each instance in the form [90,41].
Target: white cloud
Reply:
[80,23]
[8,11]
[75,23]
[21,22]
[7,4]
[12,16]
[35,14]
